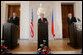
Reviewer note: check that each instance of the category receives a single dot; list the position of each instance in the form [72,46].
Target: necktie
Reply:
[42,19]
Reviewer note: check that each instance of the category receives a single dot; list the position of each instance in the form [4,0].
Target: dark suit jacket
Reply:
[14,21]
[73,19]
[40,20]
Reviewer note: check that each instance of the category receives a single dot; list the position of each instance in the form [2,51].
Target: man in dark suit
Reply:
[42,30]
[14,19]
[42,19]
[70,20]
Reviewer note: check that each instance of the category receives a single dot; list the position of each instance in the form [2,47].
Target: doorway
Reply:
[66,8]
[16,9]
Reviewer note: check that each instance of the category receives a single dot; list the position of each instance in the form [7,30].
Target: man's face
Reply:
[69,15]
[14,14]
[42,15]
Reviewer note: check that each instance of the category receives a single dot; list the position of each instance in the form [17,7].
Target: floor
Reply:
[56,46]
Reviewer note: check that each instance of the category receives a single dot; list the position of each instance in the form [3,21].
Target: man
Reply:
[42,30]
[14,19]
[70,20]
[42,19]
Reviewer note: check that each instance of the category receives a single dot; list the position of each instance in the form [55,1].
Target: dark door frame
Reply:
[61,14]
[7,4]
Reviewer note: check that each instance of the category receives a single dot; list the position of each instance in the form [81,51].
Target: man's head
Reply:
[42,15]
[14,14]
[69,15]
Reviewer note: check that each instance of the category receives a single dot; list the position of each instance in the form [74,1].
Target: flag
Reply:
[31,26]
[52,24]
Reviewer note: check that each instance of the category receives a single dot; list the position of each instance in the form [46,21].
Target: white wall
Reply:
[25,14]
[57,17]
[78,9]
[58,20]
[3,15]
[24,21]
